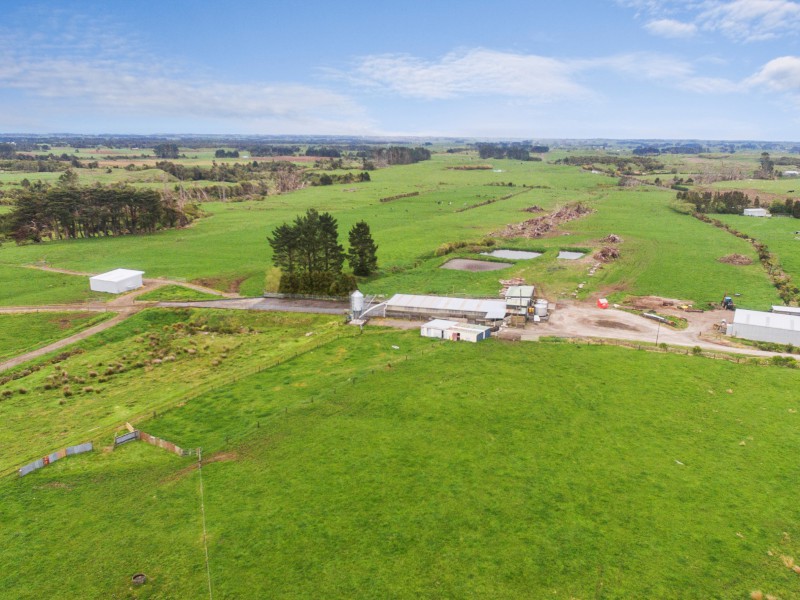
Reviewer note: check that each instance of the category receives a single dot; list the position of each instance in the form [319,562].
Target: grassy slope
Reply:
[23,287]
[124,383]
[666,254]
[24,332]
[175,293]
[443,475]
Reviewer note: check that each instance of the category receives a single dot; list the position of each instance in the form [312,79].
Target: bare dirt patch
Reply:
[736,259]
[468,264]
[230,285]
[615,325]
[541,226]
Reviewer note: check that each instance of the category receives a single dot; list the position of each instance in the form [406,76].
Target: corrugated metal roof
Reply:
[493,309]
[520,291]
[786,310]
[117,275]
[470,327]
[440,324]
[766,319]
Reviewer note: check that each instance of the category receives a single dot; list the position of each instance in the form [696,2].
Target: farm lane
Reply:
[150,283]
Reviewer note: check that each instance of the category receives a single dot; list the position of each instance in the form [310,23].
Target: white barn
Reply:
[443,307]
[436,328]
[756,212]
[765,327]
[117,281]
[519,298]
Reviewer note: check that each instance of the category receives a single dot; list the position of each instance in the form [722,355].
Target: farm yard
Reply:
[376,463]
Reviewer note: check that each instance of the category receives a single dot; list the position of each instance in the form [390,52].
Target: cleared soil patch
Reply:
[615,325]
[736,259]
[540,226]
[513,254]
[468,264]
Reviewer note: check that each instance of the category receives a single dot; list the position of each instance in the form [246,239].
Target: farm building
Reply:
[786,310]
[756,212]
[791,173]
[765,327]
[519,298]
[436,328]
[465,332]
[435,307]
[117,281]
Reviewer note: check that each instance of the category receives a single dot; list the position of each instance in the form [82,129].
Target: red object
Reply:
[46,460]
[602,303]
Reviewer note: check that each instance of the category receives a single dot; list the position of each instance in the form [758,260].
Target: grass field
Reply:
[664,254]
[387,465]
[22,287]
[24,332]
[175,293]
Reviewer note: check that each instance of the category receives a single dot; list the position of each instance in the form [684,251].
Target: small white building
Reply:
[436,328]
[756,212]
[765,327]
[791,173]
[519,299]
[117,281]
[466,332]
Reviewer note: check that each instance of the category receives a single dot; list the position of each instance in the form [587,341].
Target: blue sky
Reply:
[705,69]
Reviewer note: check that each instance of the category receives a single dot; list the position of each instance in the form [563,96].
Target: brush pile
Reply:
[541,226]
[736,259]
[612,239]
[606,254]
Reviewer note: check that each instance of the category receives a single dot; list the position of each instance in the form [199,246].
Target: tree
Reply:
[166,151]
[310,256]
[68,178]
[767,170]
[362,254]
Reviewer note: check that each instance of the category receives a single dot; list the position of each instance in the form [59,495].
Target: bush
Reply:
[697,350]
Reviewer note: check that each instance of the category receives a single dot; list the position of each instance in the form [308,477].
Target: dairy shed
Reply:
[765,327]
[443,307]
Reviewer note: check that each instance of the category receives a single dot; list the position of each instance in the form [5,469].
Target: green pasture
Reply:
[20,286]
[780,234]
[388,465]
[664,254]
[175,293]
[149,362]
[28,331]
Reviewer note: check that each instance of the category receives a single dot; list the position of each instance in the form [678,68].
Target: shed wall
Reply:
[759,333]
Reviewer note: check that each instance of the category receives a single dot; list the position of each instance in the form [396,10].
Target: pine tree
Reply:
[362,253]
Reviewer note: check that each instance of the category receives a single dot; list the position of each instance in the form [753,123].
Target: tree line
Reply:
[510,151]
[311,259]
[734,202]
[69,212]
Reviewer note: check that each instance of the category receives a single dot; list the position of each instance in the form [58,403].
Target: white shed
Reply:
[791,173]
[519,299]
[756,212]
[465,332]
[765,327]
[436,328]
[117,281]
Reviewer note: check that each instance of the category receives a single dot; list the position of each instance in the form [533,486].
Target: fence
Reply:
[57,455]
[152,440]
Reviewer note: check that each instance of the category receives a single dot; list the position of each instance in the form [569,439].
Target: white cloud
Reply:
[670,28]
[473,72]
[778,75]
[739,20]
[97,70]
[752,20]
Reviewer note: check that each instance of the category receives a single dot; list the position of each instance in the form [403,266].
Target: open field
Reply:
[430,470]
[24,332]
[20,287]
[664,253]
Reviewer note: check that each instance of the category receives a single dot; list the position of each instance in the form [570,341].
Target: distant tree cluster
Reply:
[732,202]
[622,163]
[399,155]
[330,179]
[311,259]
[324,151]
[68,211]
[272,150]
[222,153]
[166,151]
[510,151]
